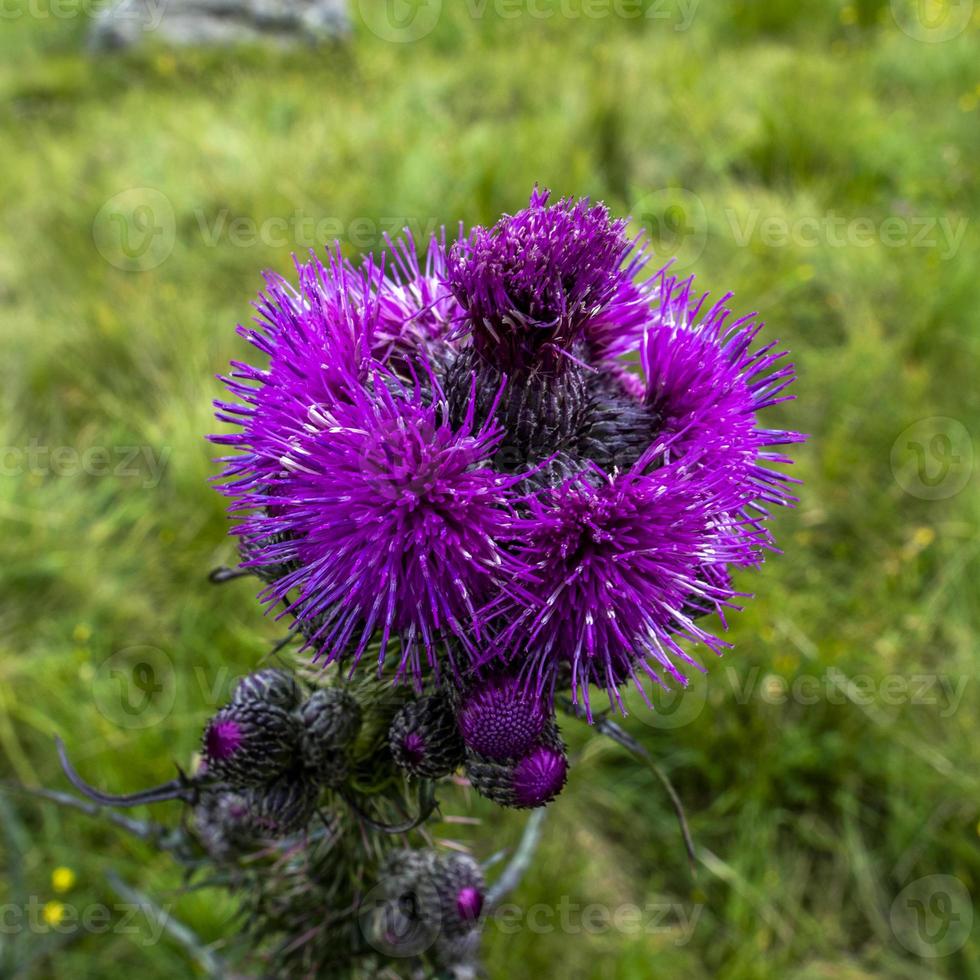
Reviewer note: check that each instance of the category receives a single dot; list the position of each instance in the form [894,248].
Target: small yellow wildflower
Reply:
[53,913]
[62,880]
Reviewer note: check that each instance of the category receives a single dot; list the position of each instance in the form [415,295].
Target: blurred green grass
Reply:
[812,817]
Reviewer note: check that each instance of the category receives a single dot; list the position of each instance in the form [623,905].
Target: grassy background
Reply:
[814,810]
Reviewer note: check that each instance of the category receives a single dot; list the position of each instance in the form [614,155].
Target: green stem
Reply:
[610,729]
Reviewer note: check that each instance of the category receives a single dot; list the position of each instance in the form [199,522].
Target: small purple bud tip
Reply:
[540,776]
[469,903]
[413,746]
[223,739]
[500,720]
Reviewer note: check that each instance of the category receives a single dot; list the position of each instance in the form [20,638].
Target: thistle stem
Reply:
[208,961]
[180,788]
[610,729]
[151,832]
[511,876]
[220,575]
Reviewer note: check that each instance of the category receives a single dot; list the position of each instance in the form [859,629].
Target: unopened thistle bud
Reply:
[460,888]
[424,740]
[271,686]
[330,721]
[224,823]
[498,719]
[435,897]
[249,743]
[532,781]
[285,806]
[331,717]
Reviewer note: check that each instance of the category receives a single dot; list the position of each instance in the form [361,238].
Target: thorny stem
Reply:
[180,788]
[220,575]
[604,726]
[209,962]
[511,876]
[154,833]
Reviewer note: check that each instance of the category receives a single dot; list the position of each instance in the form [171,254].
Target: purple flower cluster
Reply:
[452,465]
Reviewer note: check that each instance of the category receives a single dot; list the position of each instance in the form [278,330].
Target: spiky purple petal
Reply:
[531,285]
[707,384]
[614,560]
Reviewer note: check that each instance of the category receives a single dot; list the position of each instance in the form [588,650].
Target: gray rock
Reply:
[216,22]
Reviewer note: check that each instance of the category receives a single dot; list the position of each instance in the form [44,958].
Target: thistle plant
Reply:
[505,482]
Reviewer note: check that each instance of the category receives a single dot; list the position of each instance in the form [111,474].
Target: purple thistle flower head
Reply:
[318,339]
[500,719]
[706,385]
[415,306]
[530,285]
[395,518]
[321,340]
[533,780]
[613,561]
[452,454]
[389,518]
[540,776]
